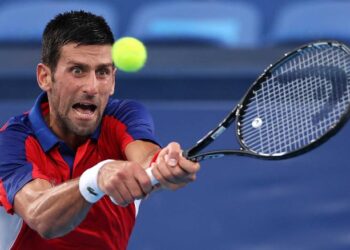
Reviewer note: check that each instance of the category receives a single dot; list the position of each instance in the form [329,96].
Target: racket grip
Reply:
[153,179]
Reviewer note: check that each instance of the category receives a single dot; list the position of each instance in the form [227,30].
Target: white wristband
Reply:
[88,186]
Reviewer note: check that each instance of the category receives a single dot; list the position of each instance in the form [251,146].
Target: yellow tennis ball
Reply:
[129,54]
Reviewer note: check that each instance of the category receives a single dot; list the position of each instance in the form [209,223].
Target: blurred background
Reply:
[202,56]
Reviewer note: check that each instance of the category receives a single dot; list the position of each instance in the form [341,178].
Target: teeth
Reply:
[84,106]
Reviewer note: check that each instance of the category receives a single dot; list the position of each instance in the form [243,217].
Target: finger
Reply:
[162,178]
[143,184]
[189,166]
[167,178]
[160,172]
[121,195]
[182,175]
[138,182]
[186,170]
[125,183]
[173,155]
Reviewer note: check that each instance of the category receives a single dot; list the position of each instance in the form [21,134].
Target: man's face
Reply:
[80,87]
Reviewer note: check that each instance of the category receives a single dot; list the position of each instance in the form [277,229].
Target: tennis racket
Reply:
[295,105]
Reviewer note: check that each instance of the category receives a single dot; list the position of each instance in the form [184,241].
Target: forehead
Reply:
[87,54]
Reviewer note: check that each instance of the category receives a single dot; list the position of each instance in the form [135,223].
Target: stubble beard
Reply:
[70,127]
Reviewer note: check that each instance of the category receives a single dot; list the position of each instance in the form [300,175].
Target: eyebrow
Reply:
[102,65]
[105,65]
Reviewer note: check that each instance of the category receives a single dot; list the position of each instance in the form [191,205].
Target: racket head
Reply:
[297,103]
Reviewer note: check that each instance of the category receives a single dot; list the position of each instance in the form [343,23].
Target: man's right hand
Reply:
[124,181]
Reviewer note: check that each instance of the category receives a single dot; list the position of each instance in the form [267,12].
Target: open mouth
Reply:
[85,109]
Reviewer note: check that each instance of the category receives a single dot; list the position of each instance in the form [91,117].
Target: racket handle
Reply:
[153,179]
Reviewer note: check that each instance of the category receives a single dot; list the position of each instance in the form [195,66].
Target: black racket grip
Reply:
[185,154]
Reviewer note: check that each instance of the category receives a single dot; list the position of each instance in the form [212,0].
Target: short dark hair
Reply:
[83,28]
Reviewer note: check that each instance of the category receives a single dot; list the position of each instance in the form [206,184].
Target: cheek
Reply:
[106,90]
[61,105]
[103,99]
[61,100]
[107,87]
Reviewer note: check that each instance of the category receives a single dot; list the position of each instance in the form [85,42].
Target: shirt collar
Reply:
[44,134]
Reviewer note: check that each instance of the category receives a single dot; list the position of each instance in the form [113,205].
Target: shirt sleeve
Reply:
[15,170]
[135,122]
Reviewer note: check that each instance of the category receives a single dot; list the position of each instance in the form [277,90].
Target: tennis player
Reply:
[62,163]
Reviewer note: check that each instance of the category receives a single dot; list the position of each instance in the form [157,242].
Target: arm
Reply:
[40,204]
[180,172]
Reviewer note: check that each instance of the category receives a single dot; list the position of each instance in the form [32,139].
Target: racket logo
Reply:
[206,157]
[257,122]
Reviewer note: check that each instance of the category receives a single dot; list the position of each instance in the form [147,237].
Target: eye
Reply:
[103,72]
[76,70]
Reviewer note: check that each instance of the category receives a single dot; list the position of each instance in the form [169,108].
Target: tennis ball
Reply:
[129,54]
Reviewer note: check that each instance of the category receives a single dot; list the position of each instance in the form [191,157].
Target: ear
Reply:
[44,78]
[113,83]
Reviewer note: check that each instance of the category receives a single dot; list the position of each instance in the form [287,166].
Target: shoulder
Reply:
[127,111]
[16,126]
[121,107]
[128,120]
[15,169]
[13,136]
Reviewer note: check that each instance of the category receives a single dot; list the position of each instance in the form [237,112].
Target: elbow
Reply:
[45,234]
[48,232]
[43,228]
[47,229]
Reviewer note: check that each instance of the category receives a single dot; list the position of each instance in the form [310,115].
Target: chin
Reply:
[84,131]
[81,128]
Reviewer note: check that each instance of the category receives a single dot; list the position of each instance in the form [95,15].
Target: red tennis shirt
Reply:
[30,150]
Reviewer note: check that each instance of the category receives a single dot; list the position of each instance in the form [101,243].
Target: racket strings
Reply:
[315,109]
[279,139]
[302,99]
[299,140]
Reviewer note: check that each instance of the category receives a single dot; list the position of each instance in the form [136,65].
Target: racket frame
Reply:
[234,116]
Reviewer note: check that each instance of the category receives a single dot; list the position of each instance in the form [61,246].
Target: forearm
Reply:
[55,211]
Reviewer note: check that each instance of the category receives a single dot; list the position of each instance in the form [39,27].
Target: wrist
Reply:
[155,157]
[88,183]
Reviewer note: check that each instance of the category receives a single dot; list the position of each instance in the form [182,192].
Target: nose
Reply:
[91,84]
